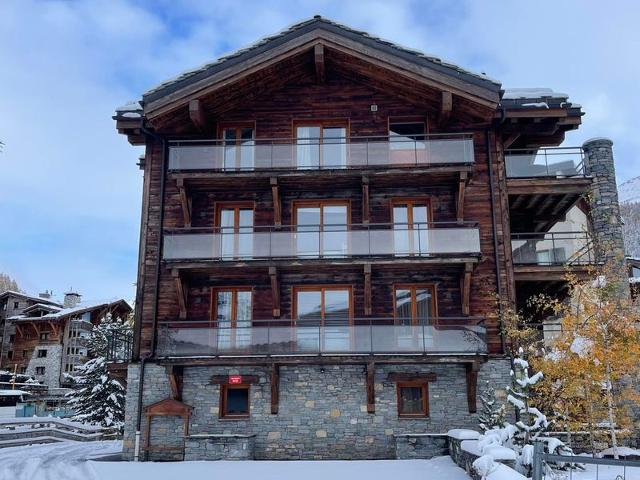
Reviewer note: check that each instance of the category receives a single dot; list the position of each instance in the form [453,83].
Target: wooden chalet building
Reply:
[328,221]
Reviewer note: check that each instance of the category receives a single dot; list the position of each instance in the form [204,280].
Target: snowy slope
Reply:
[629,191]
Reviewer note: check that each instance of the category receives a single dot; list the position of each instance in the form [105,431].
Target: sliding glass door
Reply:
[411,219]
[235,225]
[238,148]
[321,228]
[321,145]
[232,311]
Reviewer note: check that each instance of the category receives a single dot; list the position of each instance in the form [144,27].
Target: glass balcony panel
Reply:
[552,248]
[545,162]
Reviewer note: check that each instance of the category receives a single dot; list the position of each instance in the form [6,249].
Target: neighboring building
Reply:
[328,220]
[12,304]
[50,339]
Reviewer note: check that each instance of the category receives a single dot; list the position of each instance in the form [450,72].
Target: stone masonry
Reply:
[322,409]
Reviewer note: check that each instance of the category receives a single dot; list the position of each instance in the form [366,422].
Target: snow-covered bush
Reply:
[491,415]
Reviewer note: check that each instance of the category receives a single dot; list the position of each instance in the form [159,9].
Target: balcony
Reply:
[552,248]
[370,336]
[417,241]
[560,162]
[273,154]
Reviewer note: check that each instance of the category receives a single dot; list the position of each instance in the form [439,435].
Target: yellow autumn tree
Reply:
[592,367]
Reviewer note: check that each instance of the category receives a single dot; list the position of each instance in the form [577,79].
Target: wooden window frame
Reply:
[322,288]
[222,412]
[414,306]
[424,386]
[213,314]
[236,206]
[322,123]
[321,203]
[237,126]
[411,202]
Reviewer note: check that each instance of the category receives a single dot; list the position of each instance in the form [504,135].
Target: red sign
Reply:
[235,379]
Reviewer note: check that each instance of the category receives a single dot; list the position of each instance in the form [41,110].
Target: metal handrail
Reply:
[369,321]
[544,153]
[576,257]
[295,140]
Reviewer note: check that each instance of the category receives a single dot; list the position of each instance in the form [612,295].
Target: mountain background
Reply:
[629,197]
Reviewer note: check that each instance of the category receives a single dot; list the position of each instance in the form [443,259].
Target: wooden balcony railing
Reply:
[318,154]
[338,336]
[556,162]
[552,248]
[326,241]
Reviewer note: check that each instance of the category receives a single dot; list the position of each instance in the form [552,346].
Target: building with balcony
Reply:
[328,223]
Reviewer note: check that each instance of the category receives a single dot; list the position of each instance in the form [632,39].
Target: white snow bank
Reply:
[502,472]
[498,452]
[463,434]
[519,93]
[622,452]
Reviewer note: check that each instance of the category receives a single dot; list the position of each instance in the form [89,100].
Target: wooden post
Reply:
[277,206]
[318,56]
[462,183]
[466,287]
[181,292]
[472,385]
[371,390]
[275,291]
[196,114]
[446,106]
[185,202]
[175,374]
[275,388]
[365,200]
[367,289]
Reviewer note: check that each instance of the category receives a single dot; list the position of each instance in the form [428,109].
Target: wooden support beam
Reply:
[275,388]
[371,390]
[185,202]
[277,205]
[275,291]
[466,288]
[175,374]
[462,183]
[510,140]
[472,385]
[318,56]
[446,106]
[181,292]
[367,289]
[365,200]
[196,114]
[410,377]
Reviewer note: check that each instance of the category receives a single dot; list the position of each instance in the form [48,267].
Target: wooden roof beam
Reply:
[196,114]
[181,291]
[318,58]
[446,106]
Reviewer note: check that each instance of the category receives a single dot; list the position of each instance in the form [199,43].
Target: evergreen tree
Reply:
[491,415]
[97,399]
[8,283]
[110,331]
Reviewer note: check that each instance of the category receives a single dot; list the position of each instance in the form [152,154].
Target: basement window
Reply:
[42,353]
[234,401]
[413,399]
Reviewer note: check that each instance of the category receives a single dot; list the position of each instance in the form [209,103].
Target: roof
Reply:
[42,306]
[77,310]
[298,29]
[13,293]
[535,97]
[13,393]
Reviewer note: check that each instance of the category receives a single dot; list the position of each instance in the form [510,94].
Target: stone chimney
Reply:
[606,222]
[71,299]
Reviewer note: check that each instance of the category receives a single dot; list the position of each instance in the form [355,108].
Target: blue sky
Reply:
[69,187]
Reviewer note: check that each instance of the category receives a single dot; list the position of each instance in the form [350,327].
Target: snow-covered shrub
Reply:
[491,415]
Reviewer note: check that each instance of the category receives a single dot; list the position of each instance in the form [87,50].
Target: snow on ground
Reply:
[71,461]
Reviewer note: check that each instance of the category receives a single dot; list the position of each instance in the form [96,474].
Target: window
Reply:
[414,304]
[44,336]
[232,313]
[321,144]
[413,399]
[238,146]
[411,219]
[42,353]
[329,307]
[235,223]
[12,338]
[635,272]
[4,305]
[321,227]
[407,143]
[10,354]
[39,370]
[16,305]
[234,401]
[22,370]
[25,353]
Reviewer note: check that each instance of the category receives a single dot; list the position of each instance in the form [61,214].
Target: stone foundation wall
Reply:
[322,410]
[425,445]
[219,447]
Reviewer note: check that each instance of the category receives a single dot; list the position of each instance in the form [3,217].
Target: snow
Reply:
[519,93]
[581,346]
[536,105]
[462,434]
[67,461]
[519,404]
[13,393]
[629,191]
[622,452]
[502,472]
[499,453]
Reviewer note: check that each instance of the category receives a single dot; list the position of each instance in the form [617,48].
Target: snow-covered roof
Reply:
[35,298]
[42,306]
[13,393]
[537,97]
[131,109]
[317,22]
[531,93]
[77,310]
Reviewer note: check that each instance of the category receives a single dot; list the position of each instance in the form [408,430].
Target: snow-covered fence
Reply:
[25,431]
[540,459]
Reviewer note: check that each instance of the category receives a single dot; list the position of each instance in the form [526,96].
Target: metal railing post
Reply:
[538,451]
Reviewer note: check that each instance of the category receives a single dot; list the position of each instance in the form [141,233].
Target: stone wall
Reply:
[219,447]
[51,363]
[322,409]
[421,445]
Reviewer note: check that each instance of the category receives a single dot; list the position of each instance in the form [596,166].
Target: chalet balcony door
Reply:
[238,148]
[321,145]
[321,228]
[323,318]
[411,219]
[232,313]
[414,311]
[407,145]
[235,225]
